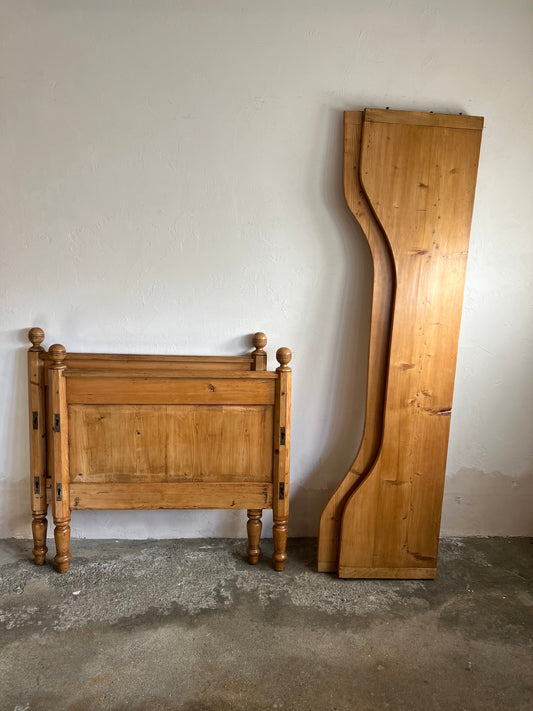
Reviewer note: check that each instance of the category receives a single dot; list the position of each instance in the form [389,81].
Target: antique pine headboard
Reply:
[111,431]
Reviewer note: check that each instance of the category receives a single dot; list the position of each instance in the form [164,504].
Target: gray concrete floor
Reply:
[189,625]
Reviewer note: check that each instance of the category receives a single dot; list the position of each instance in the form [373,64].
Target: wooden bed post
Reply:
[60,467]
[282,438]
[254,524]
[37,445]
[259,357]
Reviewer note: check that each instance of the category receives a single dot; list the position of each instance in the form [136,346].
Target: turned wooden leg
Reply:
[62,538]
[253,527]
[39,526]
[282,439]
[279,533]
[60,460]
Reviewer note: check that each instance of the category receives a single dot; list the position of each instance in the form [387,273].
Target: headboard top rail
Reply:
[133,357]
[168,373]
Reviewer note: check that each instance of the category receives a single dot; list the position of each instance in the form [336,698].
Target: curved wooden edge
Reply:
[382,296]
[390,523]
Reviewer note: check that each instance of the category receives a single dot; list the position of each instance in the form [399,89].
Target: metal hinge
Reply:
[281,490]
[57,423]
[37,485]
[282,436]
[59,492]
[35,420]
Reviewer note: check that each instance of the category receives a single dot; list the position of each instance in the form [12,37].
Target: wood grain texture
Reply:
[253,528]
[420,182]
[382,293]
[165,373]
[422,118]
[160,432]
[174,495]
[157,443]
[37,429]
[388,573]
[178,364]
[282,442]
[259,356]
[141,390]
[58,436]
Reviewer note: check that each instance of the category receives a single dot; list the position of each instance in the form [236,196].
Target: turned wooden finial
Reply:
[283,356]
[259,357]
[260,341]
[36,336]
[58,354]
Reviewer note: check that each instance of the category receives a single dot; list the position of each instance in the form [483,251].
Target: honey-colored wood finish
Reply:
[158,432]
[39,505]
[158,443]
[176,363]
[173,495]
[418,174]
[259,357]
[282,440]
[422,118]
[141,390]
[382,292]
[254,535]
[58,421]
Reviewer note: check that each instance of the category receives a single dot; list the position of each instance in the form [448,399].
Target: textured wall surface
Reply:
[171,182]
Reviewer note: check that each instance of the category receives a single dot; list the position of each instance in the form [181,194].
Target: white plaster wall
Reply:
[171,182]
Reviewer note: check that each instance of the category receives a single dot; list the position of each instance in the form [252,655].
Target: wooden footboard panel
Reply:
[159,432]
[170,443]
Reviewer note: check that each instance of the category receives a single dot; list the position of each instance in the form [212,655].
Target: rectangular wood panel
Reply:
[109,390]
[388,573]
[178,363]
[421,118]
[184,495]
[418,174]
[156,443]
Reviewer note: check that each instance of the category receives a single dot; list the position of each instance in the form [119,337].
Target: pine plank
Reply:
[420,182]
[382,291]
[158,443]
[172,495]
